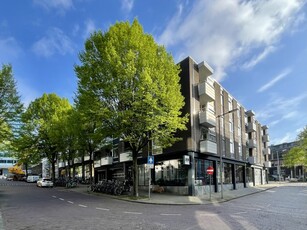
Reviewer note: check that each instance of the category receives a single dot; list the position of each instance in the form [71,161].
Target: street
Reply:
[24,206]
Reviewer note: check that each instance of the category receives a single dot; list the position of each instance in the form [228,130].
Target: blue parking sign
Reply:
[150,160]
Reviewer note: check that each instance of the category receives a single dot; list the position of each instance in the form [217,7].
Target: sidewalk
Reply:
[171,199]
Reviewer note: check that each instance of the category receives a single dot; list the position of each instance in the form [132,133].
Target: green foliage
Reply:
[42,119]
[298,155]
[10,107]
[130,87]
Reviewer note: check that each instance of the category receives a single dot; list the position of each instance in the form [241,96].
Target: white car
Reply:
[44,182]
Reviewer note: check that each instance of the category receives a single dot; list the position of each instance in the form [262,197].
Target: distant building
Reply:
[277,158]
[5,163]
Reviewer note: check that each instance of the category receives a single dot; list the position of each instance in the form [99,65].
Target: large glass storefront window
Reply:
[239,174]
[227,173]
[201,175]
[249,174]
[171,173]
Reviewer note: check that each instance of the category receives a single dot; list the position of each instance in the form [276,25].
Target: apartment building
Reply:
[219,130]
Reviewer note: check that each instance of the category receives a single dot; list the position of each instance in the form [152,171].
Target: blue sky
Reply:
[257,49]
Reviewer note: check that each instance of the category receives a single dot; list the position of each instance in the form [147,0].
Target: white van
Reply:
[33,179]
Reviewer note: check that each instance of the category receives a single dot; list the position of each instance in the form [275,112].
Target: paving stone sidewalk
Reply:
[171,199]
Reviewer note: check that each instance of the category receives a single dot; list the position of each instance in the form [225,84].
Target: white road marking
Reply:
[83,206]
[238,213]
[103,209]
[61,198]
[136,213]
[70,202]
[54,196]
[170,214]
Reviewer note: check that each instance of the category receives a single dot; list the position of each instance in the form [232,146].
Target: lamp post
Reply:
[221,157]
[278,166]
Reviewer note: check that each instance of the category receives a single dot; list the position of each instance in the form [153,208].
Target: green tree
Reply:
[25,148]
[42,116]
[10,107]
[297,156]
[131,85]
[66,136]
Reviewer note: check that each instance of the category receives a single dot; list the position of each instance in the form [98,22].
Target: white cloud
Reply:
[54,42]
[10,50]
[221,32]
[89,28]
[271,83]
[256,59]
[280,109]
[60,5]
[288,137]
[127,5]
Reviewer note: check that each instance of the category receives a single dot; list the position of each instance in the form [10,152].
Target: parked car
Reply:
[44,182]
[32,179]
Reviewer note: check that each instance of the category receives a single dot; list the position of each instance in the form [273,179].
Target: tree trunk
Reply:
[135,174]
[53,171]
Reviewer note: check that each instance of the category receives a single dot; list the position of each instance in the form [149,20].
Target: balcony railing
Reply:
[207,118]
[127,156]
[206,92]
[207,146]
[106,160]
[267,164]
[97,163]
[266,138]
[252,160]
[266,151]
[251,127]
[251,143]
[77,160]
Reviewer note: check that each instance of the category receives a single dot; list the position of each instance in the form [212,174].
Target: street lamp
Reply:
[221,157]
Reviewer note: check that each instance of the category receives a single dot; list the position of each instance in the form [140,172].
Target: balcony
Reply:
[86,158]
[97,163]
[123,157]
[206,92]
[251,143]
[252,160]
[267,164]
[78,160]
[207,146]
[266,138]
[266,151]
[207,118]
[251,127]
[205,70]
[106,160]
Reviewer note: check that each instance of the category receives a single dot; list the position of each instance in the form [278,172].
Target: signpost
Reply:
[210,171]
[150,164]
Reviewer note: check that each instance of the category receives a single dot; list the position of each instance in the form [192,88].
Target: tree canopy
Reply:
[298,155]
[130,85]
[10,106]
[41,119]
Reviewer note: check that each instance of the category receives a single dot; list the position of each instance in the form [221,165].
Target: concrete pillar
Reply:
[191,174]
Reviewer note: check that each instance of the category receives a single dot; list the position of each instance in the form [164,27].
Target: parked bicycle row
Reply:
[113,187]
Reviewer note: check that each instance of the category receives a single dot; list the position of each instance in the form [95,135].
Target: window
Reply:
[208,134]
[228,173]
[240,150]
[231,146]
[201,171]
[230,126]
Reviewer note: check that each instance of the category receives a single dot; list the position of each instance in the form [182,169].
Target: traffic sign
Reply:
[150,160]
[210,170]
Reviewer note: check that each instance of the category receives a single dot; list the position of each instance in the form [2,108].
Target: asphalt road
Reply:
[24,206]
